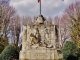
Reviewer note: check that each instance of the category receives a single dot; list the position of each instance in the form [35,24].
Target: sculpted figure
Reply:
[34,39]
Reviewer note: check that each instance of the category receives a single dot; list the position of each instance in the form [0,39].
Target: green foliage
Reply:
[68,49]
[79,58]
[0,56]
[72,57]
[3,43]
[79,54]
[9,53]
[75,35]
[63,59]
[1,47]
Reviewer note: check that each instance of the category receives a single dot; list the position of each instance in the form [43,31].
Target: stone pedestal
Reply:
[39,54]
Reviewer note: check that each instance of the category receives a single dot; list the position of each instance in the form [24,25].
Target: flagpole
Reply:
[40,7]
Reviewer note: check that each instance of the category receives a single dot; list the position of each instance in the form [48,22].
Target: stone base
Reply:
[39,54]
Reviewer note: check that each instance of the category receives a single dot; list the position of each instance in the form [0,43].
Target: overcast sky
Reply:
[49,7]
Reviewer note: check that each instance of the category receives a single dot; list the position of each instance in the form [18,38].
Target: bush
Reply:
[79,54]
[0,56]
[1,47]
[79,58]
[9,53]
[69,50]
[3,43]
[71,57]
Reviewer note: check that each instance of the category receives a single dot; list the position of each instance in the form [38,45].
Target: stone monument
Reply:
[40,41]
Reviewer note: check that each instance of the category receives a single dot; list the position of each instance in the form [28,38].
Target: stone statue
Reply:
[36,39]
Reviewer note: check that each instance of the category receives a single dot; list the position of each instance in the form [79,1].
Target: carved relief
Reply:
[42,35]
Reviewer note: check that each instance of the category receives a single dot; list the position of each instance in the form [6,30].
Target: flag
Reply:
[38,1]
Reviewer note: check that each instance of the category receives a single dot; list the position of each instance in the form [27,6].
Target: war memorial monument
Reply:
[40,40]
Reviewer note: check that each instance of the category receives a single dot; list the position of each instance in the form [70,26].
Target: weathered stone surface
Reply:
[42,54]
[40,40]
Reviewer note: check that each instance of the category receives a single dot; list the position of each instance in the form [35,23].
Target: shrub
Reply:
[9,53]
[1,47]
[79,58]
[0,56]
[79,54]
[71,57]
[69,50]
[3,43]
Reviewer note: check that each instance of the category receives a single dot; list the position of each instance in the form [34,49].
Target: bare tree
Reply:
[64,29]
[6,13]
[73,12]
[14,27]
[26,20]
[68,20]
